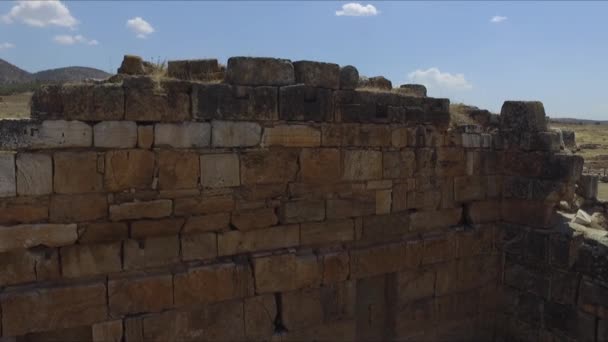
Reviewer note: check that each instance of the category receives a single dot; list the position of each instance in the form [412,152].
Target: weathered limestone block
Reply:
[23,210]
[93,102]
[110,331]
[271,166]
[31,235]
[335,267]
[569,138]
[303,211]
[237,242]
[150,252]
[588,186]
[220,170]
[199,246]
[78,207]
[259,71]
[451,161]
[143,294]
[182,135]
[195,69]
[132,65]
[260,314]
[77,172]
[145,136]
[384,201]
[236,134]
[398,164]
[360,203]
[527,212]
[178,170]
[102,232]
[286,272]
[362,165]
[377,260]
[349,77]
[352,135]
[227,102]
[49,134]
[146,100]
[305,103]
[433,219]
[292,136]
[8,181]
[483,212]
[73,306]
[115,134]
[523,116]
[327,232]
[34,174]
[317,74]
[384,107]
[254,219]
[141,210]
[376,82]
[321,165]
[24,266]
[129,169]
[90,259]
[203,205]
[469,188]
[214,283]
[147,228]
[47,102]
[413,89]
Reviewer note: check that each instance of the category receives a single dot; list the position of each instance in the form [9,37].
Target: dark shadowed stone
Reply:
[304,103]
[349,77]
[569,139]
[148,100]
[317,74]
[89,102]
[132,65]
[16,134]
[413,89]
[259,71]
[47,103]
[523,116]
[195,69]
[227,102]
[376,82]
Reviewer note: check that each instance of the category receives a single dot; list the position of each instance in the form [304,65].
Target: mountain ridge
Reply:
[12,74]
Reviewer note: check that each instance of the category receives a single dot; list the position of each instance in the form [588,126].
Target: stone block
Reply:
[353,135]
[471,140]
[433,219]
[34,174]
[483,212]
[142,294]
[381,227]
[302,211]
[291,136]
[48,134]
[220,170]
[349,77]
[182,135]
[8,181]
[93,102]
[469,188]
[147,228]
[73,306]
[398,164]
[526,212]
[317,74]
[523,116]
[132,65]
[213,283]
[271,166]
[335,267]
[178,170]
[78,208]
[199,246]
[377,260]
[145,136]
[203,205]
[236,242]
[102,232]
[254,219]
[259,71]
[354,205]
[305,103]
[47,102]
[320,165]
[426,161]
[362,165]
[147,100]
[91,259]
[236,134]
[327,232]
[260,314]
[31,235]
[413,89]
[128,169]
[415,285]
[439,248]
[141,210]
[150,252]
[384,200]
[77,172]
[26,266]
[451,161]
[227,102]
[110,331]
[115,134]
[302,309]
[286,272]
[195,69]
[376,82]
[207,223]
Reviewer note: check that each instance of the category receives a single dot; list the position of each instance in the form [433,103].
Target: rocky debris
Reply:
[349,77]
[569,138]
[376,82]
[412,89]
[135,65]
[582,218]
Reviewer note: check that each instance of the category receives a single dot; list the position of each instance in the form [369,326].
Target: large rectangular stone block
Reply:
[305,103]
[141,210]
[34,174]
[272,166]
[195,69]
[327,232]
[259,71]
[88,102]
[428,220]
[220,170]
[207,223]
[150,252]
[398,164]
[129,169]
[286,272]
[146,100]
[29,311]
[8,180]
[203,205]
[227,102]
[182,135]
[142,294]
[77,172]
[199,246]
[29,134]
[115,134]
[320,165]
[317,74]
[355,204]
[236,134]
[356,135]
[377,260]
[78,207]
[31,235]
[102,232]
[91,259]
[178,170]
[236,242]
[254,218]
[291,136]
[362,165]
[303,211]
[25,266]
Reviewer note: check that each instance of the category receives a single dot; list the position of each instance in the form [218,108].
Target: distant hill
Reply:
[11,74]
[577,121]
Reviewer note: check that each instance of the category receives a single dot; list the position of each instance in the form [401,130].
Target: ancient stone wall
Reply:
[281,203]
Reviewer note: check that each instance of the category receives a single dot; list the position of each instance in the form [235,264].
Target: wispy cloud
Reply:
[498,19]
[434,78]
[4,46]
[66,39]
[354,9]
[140,27]
[41,14]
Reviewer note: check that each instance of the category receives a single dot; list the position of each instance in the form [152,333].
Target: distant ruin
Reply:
[279,200]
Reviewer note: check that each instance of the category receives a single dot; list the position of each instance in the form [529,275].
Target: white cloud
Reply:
[4,46]
[498,19]
[140,27]
[41,14]
[66,39]
[433,78]
[354,9]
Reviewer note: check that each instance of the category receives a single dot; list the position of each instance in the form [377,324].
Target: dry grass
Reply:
[590,134]
[459,115]
[15,106]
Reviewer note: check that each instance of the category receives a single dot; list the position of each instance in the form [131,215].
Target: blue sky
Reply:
[556,52]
